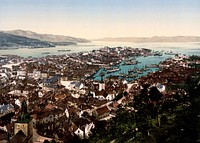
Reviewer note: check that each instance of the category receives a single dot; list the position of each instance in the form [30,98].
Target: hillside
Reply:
[157,117]
[153,39]
[8,41]
[47,37]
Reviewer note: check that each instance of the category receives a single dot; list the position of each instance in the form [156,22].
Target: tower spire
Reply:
[24,123]
[24,116]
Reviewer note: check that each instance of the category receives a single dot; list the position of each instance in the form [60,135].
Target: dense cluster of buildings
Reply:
[61,101]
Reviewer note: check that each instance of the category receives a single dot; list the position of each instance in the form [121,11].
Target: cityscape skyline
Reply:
[101,18]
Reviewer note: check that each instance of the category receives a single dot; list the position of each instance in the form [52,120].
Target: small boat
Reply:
[130,63]
[63,50]
[152,66]
[131,75]
[112,70]
[170,53]
[158,54]
[139,71]
[45,53]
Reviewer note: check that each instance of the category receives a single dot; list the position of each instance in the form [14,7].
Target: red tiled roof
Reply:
[102,110]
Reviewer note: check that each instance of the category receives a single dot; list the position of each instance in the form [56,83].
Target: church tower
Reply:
[102,84]
[24,123]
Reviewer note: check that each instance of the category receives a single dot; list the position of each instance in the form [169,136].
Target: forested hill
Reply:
[9,41]
[47,37]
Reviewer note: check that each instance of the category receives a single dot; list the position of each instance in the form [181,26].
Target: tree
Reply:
[46,141]
[53,141]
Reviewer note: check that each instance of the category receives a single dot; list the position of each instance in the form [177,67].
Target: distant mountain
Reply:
[153,39]
[9,41]
[47,37]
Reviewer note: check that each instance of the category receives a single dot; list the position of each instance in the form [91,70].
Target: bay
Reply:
[179,48]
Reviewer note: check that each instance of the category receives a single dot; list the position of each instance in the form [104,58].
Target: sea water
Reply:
[179,48]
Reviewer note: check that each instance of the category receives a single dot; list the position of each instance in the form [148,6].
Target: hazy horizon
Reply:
[103,18]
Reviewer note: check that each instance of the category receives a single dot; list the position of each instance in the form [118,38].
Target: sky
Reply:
[94,19]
